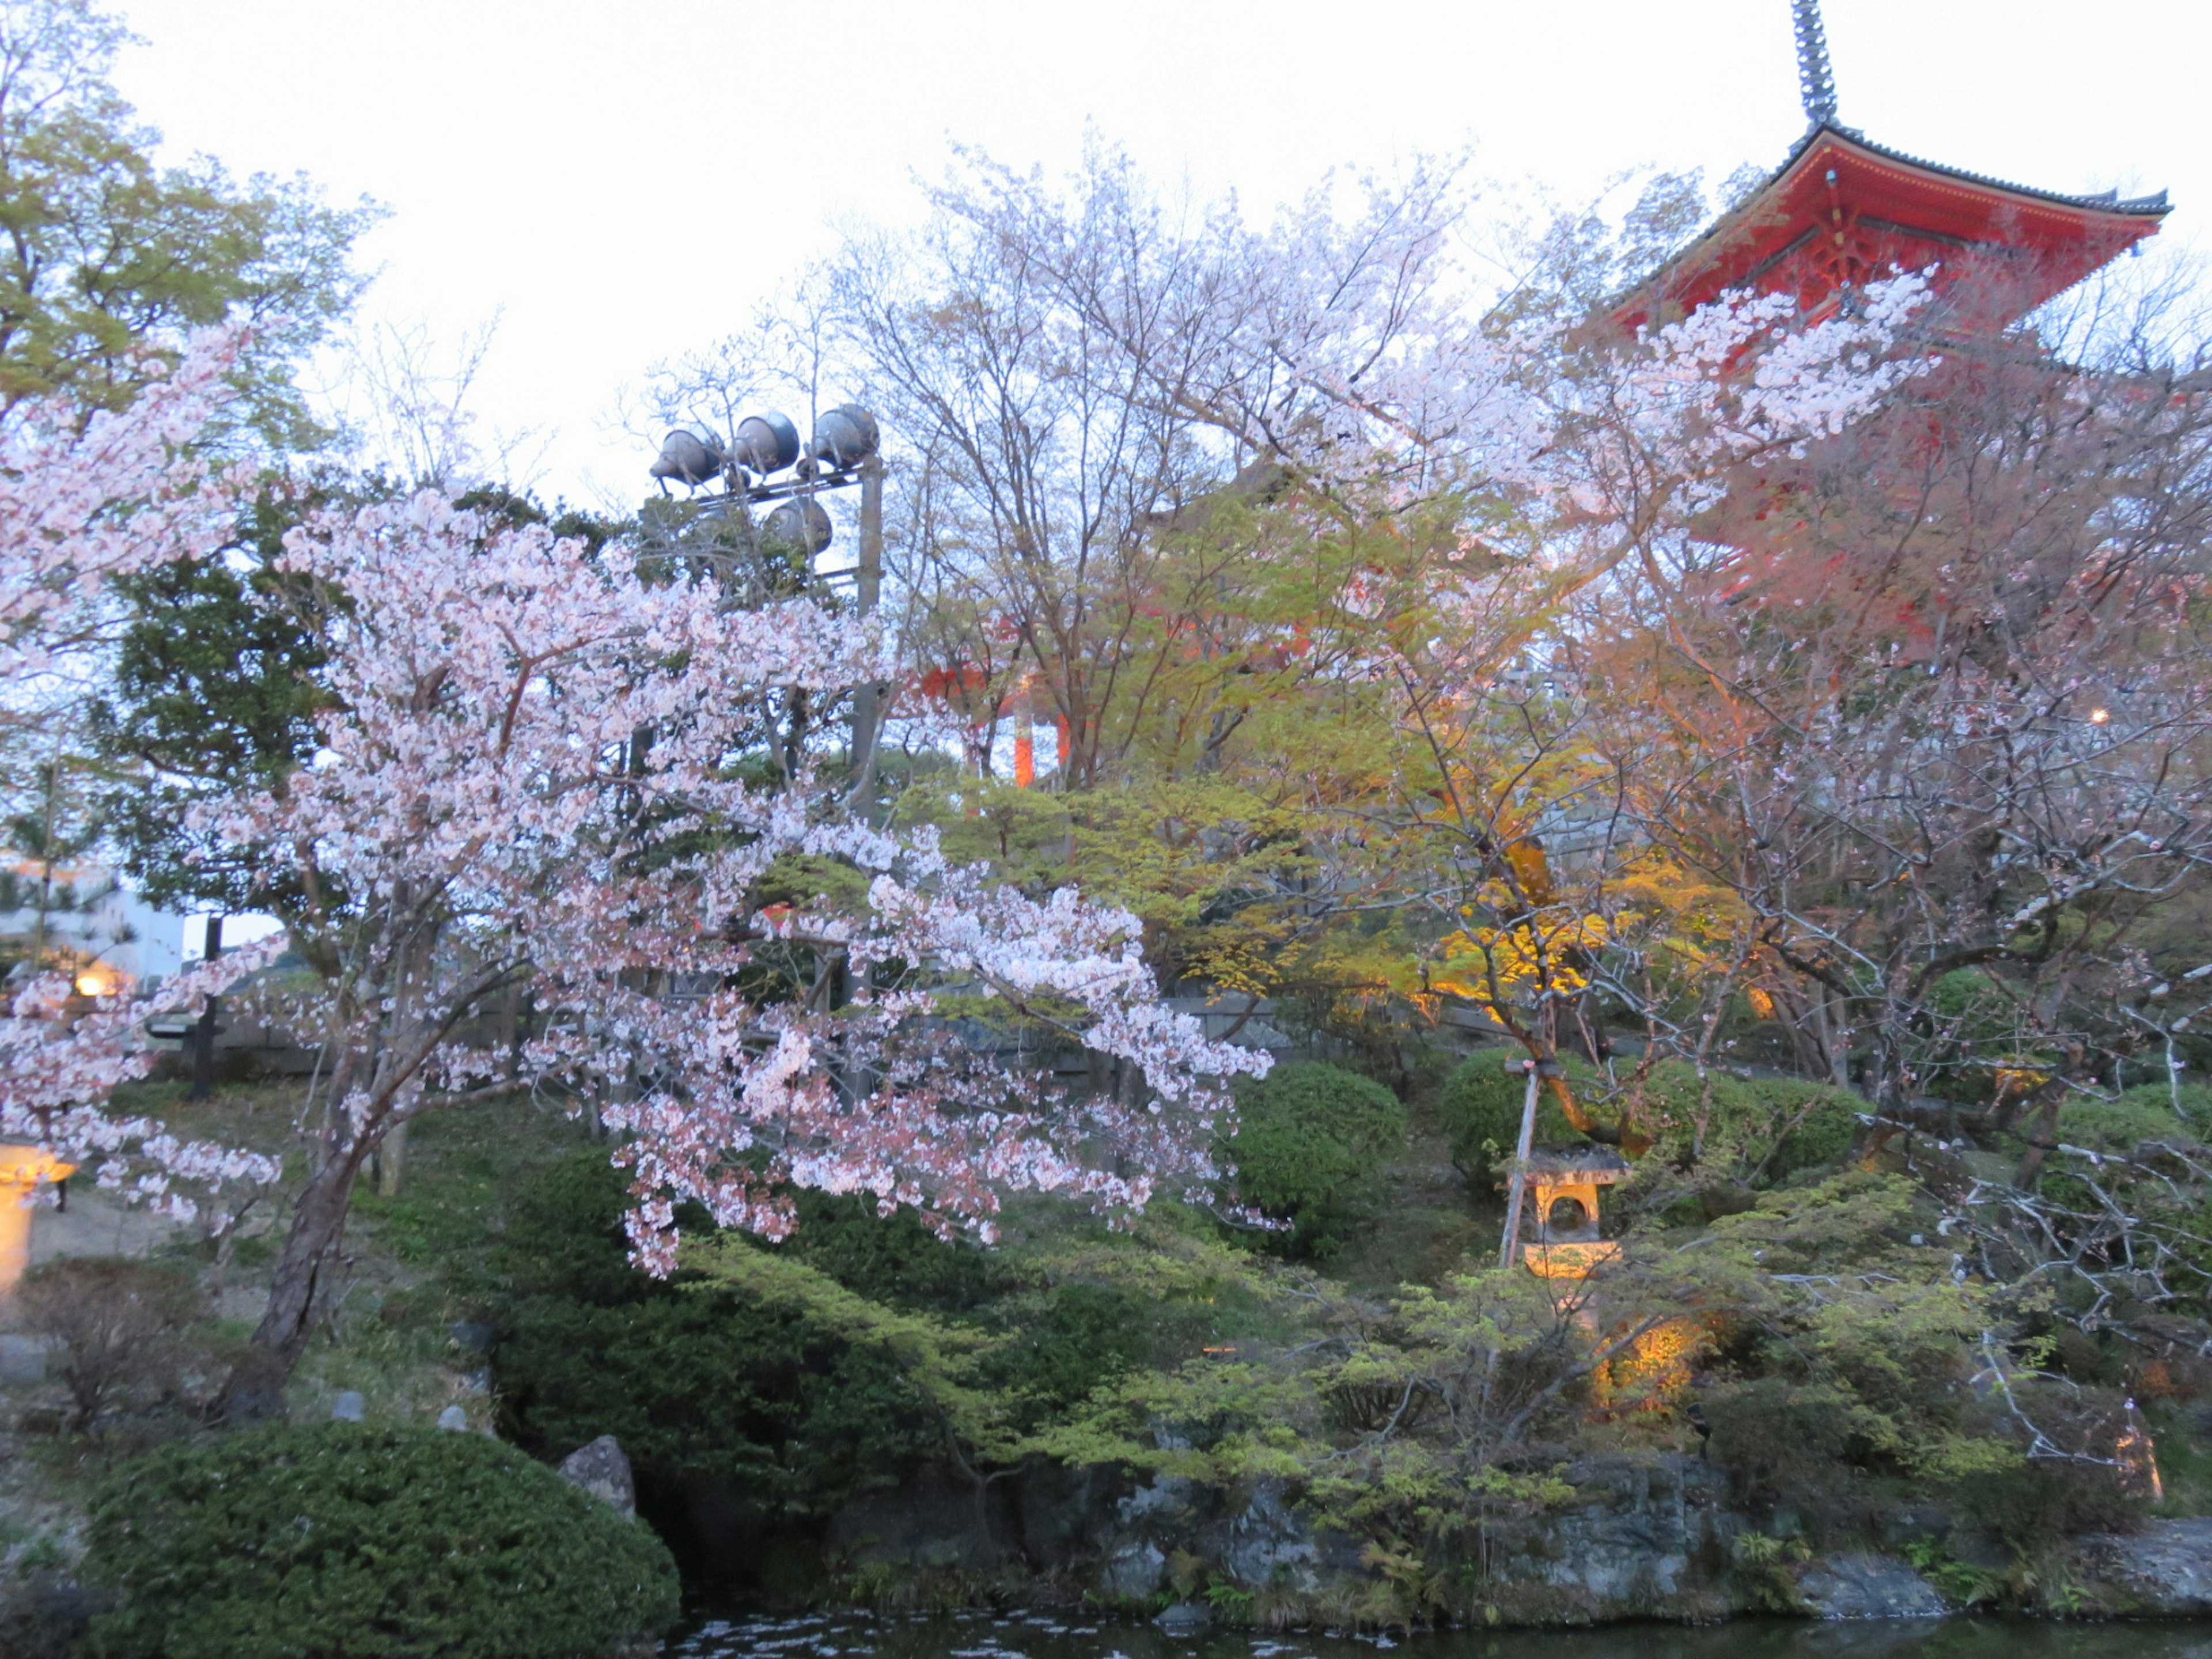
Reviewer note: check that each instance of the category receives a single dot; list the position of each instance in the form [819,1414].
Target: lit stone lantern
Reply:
[1565,1185]
[23,1170]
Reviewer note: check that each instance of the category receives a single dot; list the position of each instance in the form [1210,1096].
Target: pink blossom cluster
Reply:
[87,499]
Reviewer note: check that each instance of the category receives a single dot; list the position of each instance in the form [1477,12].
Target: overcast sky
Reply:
[624,181]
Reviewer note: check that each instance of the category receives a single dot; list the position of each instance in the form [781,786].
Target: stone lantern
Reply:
[1565,1187]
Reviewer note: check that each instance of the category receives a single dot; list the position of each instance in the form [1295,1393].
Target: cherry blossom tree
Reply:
[535,771]
[59,1066]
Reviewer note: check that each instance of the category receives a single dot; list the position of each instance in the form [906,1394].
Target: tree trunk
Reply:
[392,1160]
[255,1389]
[1518,1181]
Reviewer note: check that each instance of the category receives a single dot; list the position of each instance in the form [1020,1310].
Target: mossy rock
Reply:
[353,1541]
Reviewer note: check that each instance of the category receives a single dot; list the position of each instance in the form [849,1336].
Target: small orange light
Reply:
[92,985]
[2098,716]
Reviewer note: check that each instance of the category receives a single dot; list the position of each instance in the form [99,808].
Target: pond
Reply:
[1043,1636]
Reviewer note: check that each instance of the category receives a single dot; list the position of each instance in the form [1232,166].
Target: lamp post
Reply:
[203,1033]
[765,466]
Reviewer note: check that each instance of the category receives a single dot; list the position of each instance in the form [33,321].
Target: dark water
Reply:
[1040,1636]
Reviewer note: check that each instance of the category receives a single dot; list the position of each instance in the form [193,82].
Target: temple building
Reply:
[1842,209]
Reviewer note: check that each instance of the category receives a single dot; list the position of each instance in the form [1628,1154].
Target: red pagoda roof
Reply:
[1841,211]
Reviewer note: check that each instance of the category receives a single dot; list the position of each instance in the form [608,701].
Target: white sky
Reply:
[626,181]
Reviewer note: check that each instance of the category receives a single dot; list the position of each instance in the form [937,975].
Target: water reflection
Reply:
[1047,1636]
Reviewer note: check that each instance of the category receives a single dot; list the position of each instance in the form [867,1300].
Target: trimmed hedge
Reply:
[1480,1106]
[1310,1147]
[1825,1135]
[350,1541]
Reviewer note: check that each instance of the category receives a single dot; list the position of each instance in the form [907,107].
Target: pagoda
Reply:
[1842,211]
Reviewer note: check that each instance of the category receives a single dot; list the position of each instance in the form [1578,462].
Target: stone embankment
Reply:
[1644,1538]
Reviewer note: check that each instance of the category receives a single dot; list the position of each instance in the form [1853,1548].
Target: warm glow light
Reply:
[2137,1456]
[1568,1260]
[23,1169]
[2098,716]
[94,984]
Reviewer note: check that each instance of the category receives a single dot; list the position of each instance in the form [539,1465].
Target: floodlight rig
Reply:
[844,452]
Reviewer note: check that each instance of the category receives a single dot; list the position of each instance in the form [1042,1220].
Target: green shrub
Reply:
[2033,1505]
[1822,1136]
[1480,1106]
[1778,1437]
[2140,1113]
[1310,1147]
[347,1542]
[1743,1120]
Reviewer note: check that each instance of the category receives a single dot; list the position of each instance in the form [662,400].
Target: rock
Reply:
[348,1408]
[1914,1523]
[601,1469]
[471,1337]
[22,1360]
[453,1418]
[2164,1570]
[1185,1619]
[1637,1540]
[1869,1587]
[1269,1543]
[930,1520]
[1134,1573]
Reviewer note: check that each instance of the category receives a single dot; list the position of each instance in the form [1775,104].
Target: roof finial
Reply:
[1815,80]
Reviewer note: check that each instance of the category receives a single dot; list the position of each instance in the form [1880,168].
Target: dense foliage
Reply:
[357,1542]
[694,1380]
[1310,1145]
[778,1393]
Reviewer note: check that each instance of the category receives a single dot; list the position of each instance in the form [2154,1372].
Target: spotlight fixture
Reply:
[690,459]
[801,524]
[844,437]
[766,443]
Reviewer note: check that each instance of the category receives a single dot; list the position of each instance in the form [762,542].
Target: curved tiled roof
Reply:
[2107,201]
[2141,212]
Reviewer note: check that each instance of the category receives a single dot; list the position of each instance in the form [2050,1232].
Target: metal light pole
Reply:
[203,1034]
[867,590]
